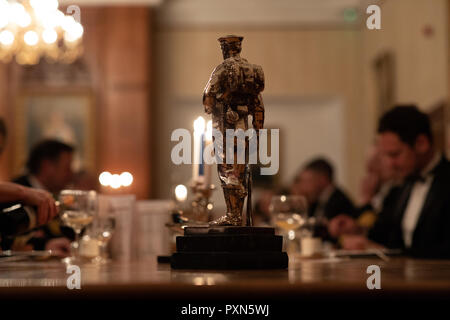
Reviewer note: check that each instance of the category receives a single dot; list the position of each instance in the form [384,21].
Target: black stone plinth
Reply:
[228,230]
[229,248]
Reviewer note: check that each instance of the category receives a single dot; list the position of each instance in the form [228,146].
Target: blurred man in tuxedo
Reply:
[419,222]
[316,182]
[378,190]
[21,207]
[49,168]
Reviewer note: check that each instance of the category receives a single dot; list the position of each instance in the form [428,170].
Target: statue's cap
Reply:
[230,39]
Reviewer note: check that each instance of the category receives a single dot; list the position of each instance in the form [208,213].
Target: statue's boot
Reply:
[234,198]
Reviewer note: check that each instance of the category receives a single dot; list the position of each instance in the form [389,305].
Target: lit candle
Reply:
[197,166]
[208,141]
[180,193]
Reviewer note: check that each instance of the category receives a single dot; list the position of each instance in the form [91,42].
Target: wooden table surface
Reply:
[329,287]
[321,276]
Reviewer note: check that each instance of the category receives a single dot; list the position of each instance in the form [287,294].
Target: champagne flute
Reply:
[103,231]
[77,211]
[289,213]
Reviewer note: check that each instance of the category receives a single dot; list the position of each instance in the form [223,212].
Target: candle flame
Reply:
[180,192]
[199,125]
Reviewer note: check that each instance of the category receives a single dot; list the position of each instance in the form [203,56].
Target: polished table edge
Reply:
[400,277]
[244,290]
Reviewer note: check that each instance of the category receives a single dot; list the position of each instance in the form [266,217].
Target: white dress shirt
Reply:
[322,201]
[35,183]
[416,200]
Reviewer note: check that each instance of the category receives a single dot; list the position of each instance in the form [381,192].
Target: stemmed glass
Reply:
[103,231]
[77,209]
[289,214]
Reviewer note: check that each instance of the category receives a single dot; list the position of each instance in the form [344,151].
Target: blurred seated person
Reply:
[49,167]
[261,215]
[378,189]
[325,200]
[419,223]
[21,208]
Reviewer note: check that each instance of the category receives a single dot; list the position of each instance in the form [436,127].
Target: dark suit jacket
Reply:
[431,238]
[23,180]
[337,203]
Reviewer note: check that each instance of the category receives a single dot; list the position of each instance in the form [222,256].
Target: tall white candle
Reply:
[199,130]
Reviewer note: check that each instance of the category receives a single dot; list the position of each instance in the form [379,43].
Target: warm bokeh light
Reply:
[49,36]
[52,20]
[44,5]
[115,181]
[6,38]
[4,19]
[31,28]
[126,179]
[18,15]
[105,178]
[73,30]
[31,38]
[181,192]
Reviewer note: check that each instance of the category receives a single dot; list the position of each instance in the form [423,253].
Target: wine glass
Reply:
[77,209]
[103,231]
[289,214]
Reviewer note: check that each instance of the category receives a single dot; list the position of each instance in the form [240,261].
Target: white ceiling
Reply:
[256,12]
[110,2]
[244,12]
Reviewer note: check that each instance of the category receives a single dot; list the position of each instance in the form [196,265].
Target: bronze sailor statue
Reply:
[232,94]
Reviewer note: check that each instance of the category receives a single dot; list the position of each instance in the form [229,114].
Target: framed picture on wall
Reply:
[67,116]
[384,66]
[439,126]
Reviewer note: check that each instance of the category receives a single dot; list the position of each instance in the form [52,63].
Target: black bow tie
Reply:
[415,178]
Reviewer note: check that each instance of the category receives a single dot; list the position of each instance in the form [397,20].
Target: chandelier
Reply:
[31,29]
